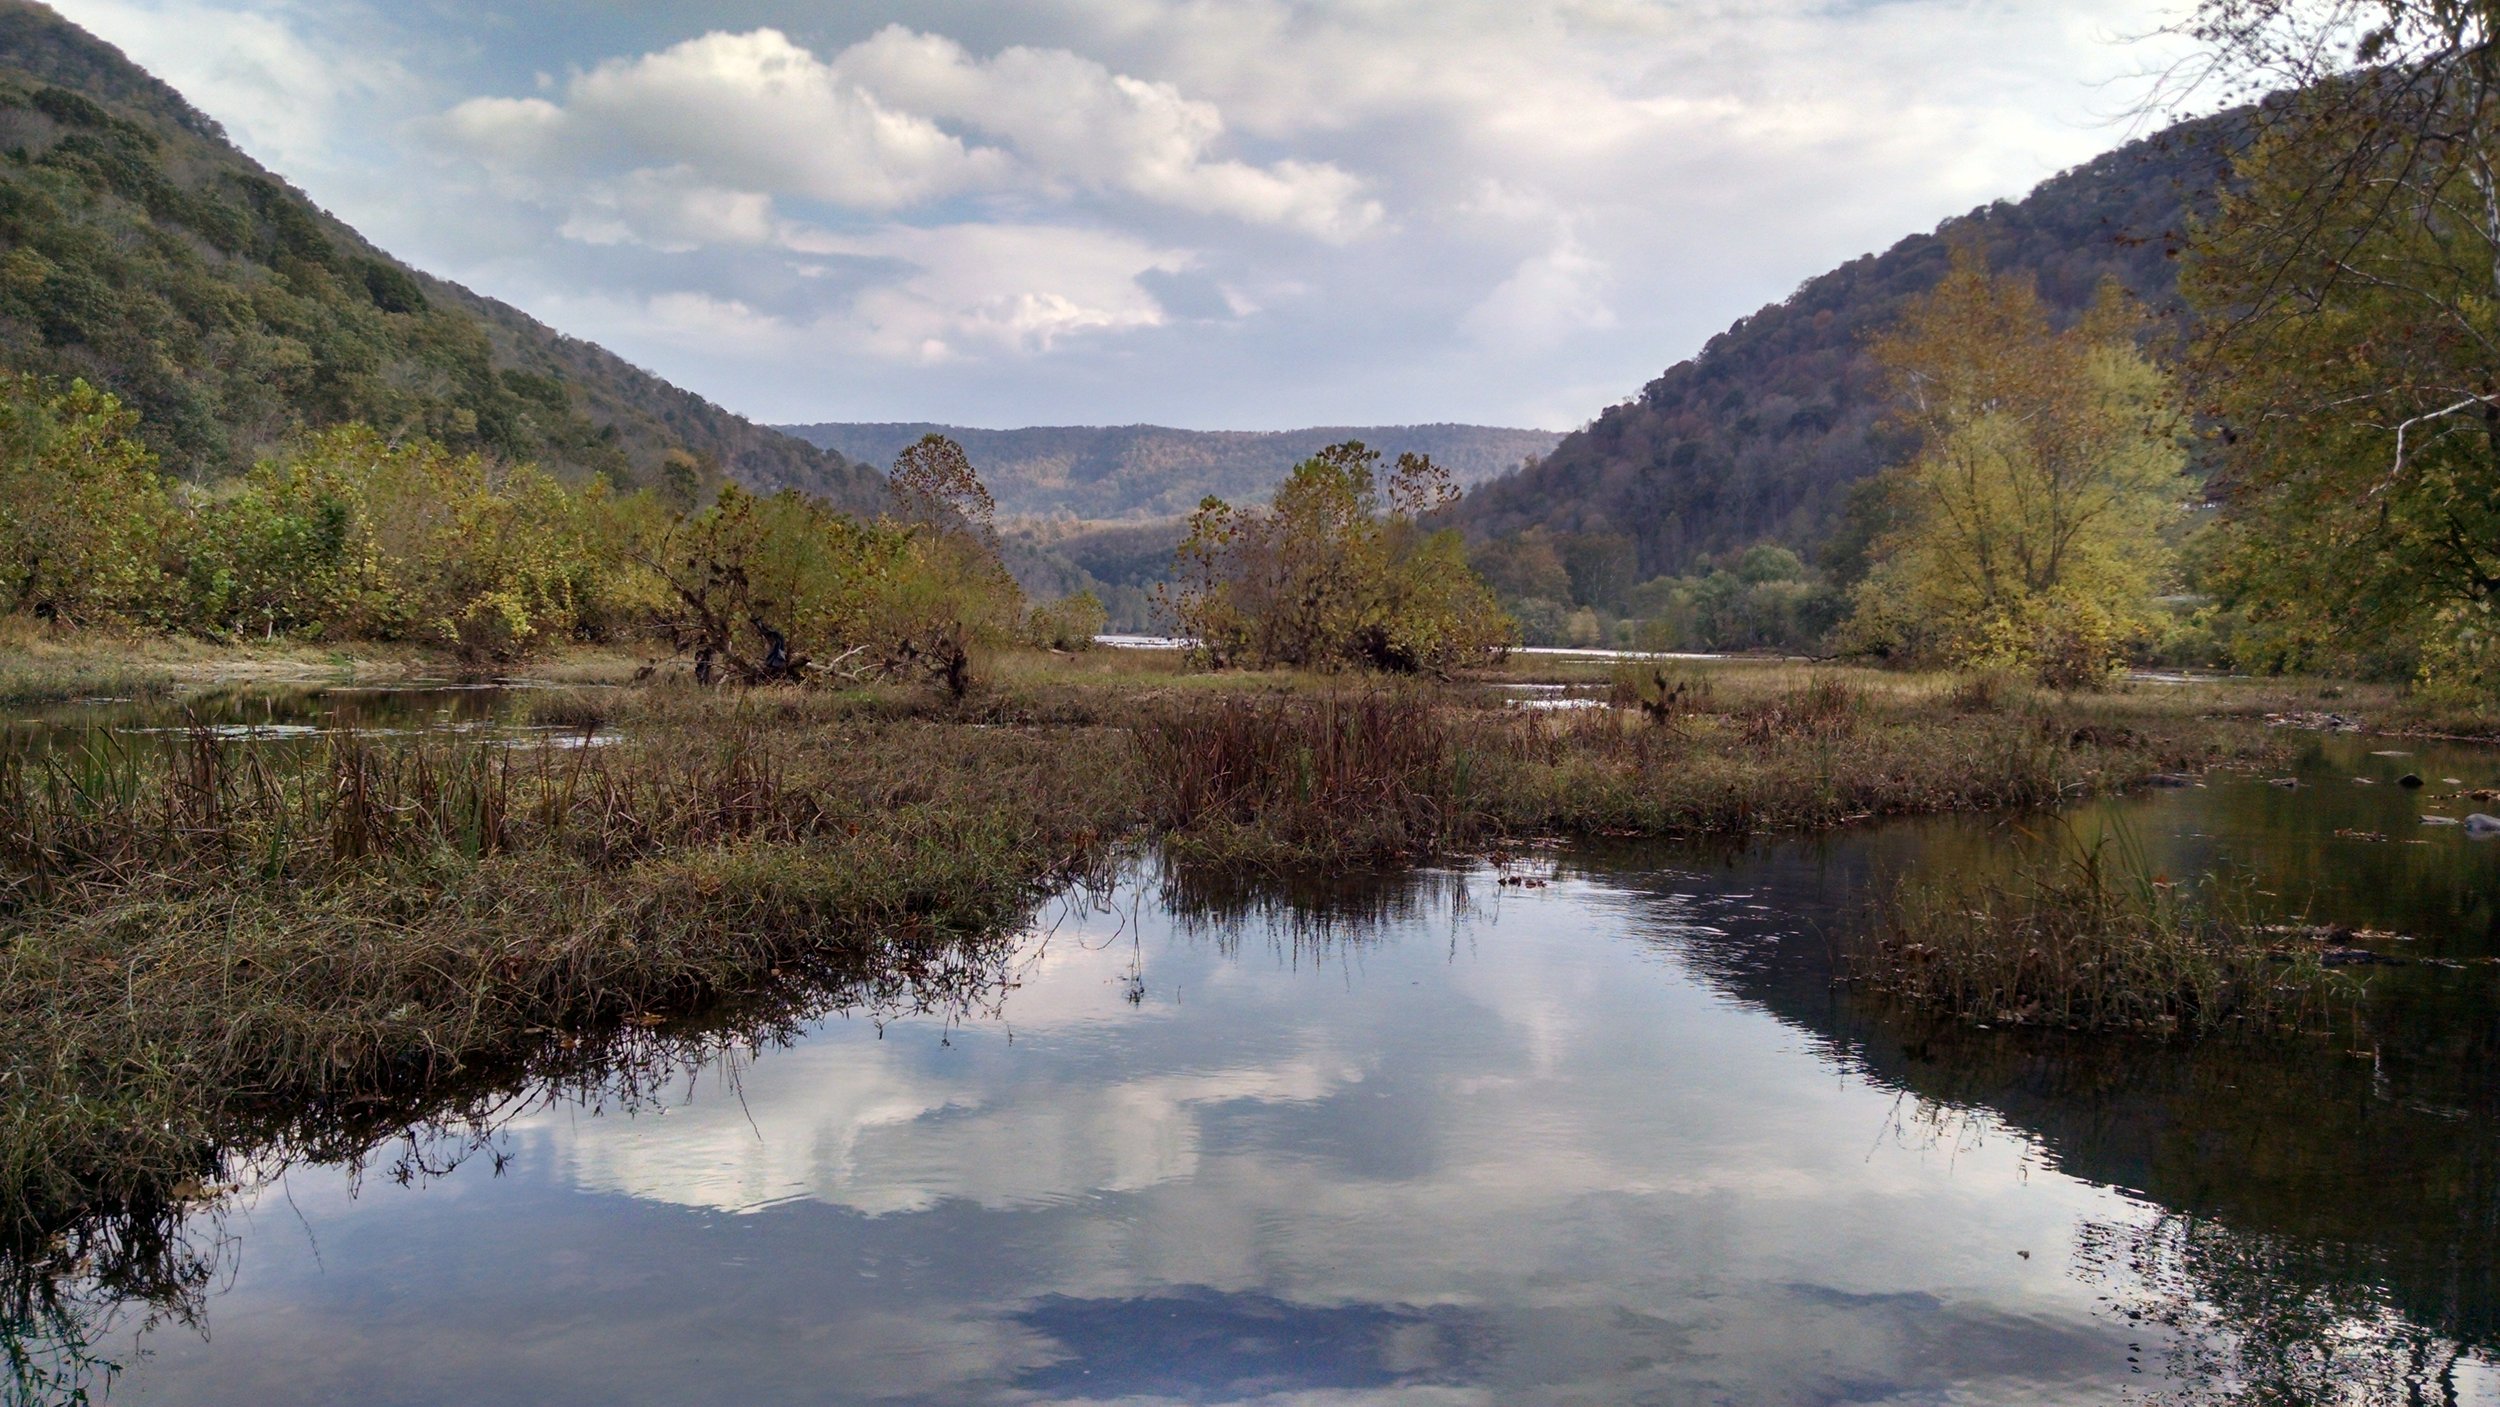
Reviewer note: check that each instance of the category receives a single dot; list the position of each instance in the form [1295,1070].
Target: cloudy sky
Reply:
[1243,214]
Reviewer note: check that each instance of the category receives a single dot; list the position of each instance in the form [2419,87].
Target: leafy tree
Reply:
[768,588]
[1329,577]
[682,480]
[2351,336]
[935,486]
[1069,623]
[1525,566]
[1602,566]
[960,597]
[2049,464]
[1764,597]
[351,535]
[82,516]
[758,586]
[1767,562]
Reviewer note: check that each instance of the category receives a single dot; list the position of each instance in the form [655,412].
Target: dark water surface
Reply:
[1443,1140]
[278,715]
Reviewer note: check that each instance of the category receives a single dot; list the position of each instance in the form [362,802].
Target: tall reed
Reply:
[1348,776]
[2093,940]
[201,933]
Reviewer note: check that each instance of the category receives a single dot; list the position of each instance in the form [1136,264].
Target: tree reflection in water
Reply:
[2255,1319]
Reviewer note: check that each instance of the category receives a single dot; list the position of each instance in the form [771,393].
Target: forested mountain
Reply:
[1759,438]
[1147,471]
[141,250]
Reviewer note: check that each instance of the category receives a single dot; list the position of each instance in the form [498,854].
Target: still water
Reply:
[1442,1139]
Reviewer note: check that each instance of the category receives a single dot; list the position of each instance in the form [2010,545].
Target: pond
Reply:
[1607,1135]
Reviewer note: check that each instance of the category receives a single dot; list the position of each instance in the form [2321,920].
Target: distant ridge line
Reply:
[1129,473]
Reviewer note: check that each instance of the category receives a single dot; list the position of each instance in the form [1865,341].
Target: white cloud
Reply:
[946,294]
[867,131]
[1508,210]
[982,287]
[1551,297]
[751,111]
[1076,121]
[670,210]
[279,84]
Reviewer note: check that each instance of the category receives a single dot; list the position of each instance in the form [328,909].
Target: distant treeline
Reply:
[1141,473]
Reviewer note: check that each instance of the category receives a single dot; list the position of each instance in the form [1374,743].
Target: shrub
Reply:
[1070,623]
[351,535]
[770,588]
[82,515]
[1324,578]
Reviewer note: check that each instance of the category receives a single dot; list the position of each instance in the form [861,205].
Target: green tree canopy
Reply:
[1328,576]
[2049,463]
[349,534]
[82,516]
[2350,343]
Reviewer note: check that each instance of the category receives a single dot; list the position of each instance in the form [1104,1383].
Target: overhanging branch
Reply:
[2396,470]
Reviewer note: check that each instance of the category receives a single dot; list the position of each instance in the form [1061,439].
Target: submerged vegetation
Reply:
[2095,942]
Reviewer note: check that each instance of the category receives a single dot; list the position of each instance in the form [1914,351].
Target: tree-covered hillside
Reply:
[140,250]
[1760,437]
[1136,472]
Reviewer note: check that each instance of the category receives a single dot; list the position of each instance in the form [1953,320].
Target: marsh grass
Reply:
[2094,941]
[156,1247]
[202,938]
[576,708]
[195,934]
[35,669]
[1357,777]
[1353,777]
[1663,696]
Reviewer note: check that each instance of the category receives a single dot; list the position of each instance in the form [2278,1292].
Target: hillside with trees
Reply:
[1761,437]
[142,252]
[1142,472]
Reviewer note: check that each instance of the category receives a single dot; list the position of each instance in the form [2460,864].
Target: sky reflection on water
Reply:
[1613,1140]
[1496,1162]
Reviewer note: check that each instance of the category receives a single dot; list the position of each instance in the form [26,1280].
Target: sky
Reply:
[1218,214]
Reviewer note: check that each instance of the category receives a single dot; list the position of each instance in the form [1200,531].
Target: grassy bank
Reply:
[1296,781]
[202,939]
[2094,942]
